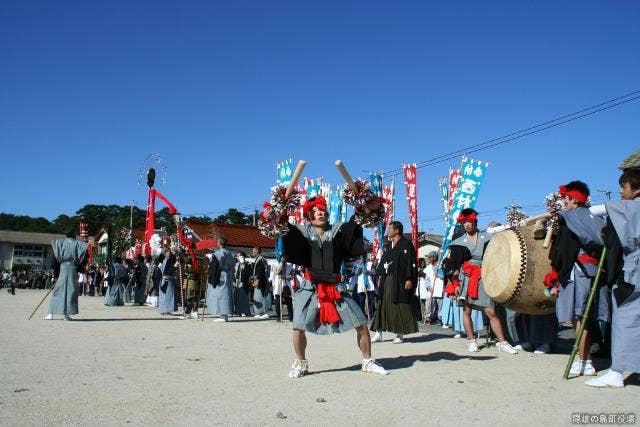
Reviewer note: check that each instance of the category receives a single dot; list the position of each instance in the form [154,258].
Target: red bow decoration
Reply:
[551,279]
[472,217]
[576,194]
[315,202]
[452,286]
[475,273]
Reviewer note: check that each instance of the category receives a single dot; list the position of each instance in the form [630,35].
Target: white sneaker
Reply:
[243,315]
[446,326]
[610,379]
[264,316]
[48,317]
[398,339]
[194,314]
[576,367]
[220,319]
[588,369]
[257,316]
[370,366]
[377,337]
[299,368]
[506,347]
[456,336]
[523,346]
[542,349]
[472,346]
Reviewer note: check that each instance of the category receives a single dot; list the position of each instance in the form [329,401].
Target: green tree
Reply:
[234,216]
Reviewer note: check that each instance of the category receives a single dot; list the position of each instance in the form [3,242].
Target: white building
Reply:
[27,248]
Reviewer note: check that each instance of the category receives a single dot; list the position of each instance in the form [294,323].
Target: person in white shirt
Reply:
[434,288]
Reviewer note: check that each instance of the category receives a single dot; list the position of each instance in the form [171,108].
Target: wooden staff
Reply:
[206,294]
[38,306]
[294,179]
[345,174]
[585,315]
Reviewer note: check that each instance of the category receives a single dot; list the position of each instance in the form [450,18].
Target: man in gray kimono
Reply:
[219,295]
[260,282]
[621,235]
[69,256]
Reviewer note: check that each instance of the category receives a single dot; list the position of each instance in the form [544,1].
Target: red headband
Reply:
[576,194]
[472,217]
[317,202]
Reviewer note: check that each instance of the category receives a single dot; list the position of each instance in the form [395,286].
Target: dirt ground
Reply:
[129,365]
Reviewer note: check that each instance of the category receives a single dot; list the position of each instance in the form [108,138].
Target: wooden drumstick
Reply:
[294,179]
[345,174]
[533,219]
[547,237]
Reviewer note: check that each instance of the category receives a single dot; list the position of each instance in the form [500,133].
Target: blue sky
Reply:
[223,90]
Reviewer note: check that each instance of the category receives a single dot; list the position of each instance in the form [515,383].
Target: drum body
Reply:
[513,270]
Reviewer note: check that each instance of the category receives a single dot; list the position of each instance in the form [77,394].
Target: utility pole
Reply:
[606,192]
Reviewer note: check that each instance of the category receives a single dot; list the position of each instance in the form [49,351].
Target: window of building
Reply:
[33,251]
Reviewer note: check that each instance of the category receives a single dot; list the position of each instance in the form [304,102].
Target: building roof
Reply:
[238,235]
[28,237]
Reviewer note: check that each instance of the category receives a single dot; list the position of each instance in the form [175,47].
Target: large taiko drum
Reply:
[513,270]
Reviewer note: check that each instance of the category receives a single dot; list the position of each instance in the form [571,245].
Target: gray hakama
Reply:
[477,252]
[323,257]
[573,295]
[167,300]
[219,297]
[115,293]
[259,305]
[69,253]
[625,328]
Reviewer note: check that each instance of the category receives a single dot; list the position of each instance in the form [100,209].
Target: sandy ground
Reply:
[129,365]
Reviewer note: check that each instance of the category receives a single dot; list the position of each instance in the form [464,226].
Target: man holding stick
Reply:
[621,240]
[69,255]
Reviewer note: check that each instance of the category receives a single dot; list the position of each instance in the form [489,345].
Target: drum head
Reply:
[503,265]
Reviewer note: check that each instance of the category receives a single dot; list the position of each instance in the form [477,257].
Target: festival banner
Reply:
[284,172]
[454,179]
[444,197]
[378,232]
[411,183]
[472,173]
[335,205]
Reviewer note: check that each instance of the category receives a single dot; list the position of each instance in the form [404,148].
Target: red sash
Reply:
[474,272]
[327,297]
[587,259]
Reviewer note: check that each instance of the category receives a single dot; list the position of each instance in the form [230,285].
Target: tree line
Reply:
[97,216]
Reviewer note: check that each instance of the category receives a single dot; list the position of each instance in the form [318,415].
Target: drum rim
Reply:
[523,267]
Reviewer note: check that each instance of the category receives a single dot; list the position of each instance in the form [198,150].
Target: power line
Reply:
[513,136]
[567,118]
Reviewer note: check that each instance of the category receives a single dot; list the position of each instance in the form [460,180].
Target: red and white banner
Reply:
[411,182]
[387,195]
[454,179]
